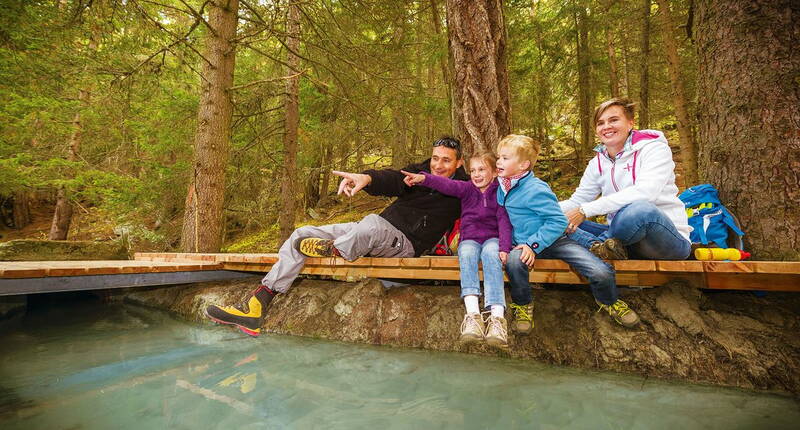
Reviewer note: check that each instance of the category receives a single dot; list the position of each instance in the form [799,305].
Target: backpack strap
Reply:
[728,219]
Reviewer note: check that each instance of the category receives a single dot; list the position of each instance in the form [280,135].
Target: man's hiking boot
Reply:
[249,316]
[610,249]
[523,318]
[621,313]
[472,329]
[316,247]
[497,332]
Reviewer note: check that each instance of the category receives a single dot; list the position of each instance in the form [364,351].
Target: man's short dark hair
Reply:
[449,142]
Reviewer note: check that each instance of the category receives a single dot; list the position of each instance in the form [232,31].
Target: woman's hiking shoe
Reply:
[497,332]
[523,318]
[621,313]
[249,316]
[472,329]
[610,249]
[316,247]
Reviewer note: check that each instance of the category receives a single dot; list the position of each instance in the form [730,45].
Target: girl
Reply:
[485,235]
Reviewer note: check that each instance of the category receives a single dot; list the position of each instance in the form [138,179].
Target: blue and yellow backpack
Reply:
[709,218]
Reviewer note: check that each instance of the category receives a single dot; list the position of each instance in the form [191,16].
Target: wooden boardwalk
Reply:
[737,275]
[26,277]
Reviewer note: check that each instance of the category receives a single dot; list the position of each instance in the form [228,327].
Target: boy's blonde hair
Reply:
[486,157]
[524,147]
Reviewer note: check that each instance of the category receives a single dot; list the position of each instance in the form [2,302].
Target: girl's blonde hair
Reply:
[486,157]
[524,147]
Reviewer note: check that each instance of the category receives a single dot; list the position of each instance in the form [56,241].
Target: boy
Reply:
[538,230]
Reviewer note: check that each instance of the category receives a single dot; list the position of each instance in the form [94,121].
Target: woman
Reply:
[634,175]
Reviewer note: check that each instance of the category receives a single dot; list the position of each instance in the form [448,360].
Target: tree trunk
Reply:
[62,215]
[613,72]
[477,42]
[749,115]
[446,66]
[292,120]
[688,150]
[22,209]
[542,84]
[203,217]
[584,75]
[644,81]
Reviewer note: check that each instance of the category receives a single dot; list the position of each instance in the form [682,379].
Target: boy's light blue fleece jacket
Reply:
[534,212]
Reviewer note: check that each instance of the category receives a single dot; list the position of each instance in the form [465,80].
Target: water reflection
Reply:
[93,366]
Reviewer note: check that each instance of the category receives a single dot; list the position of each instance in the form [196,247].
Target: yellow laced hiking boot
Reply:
[621,313]
[497,332]
[249,316]
[610,249]
[316,247]
[616,249]
[523,318]
[472,329]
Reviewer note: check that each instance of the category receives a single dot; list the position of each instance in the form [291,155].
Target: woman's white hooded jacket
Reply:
[644,170]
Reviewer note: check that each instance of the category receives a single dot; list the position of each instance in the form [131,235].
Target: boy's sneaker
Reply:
[610,249]
[249,316]
[523,318]
[316,247]
[621,313]
[472,328]
[497,332]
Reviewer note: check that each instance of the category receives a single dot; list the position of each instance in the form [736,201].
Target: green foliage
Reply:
[372,74]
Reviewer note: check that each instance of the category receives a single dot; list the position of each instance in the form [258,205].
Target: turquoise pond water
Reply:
[82,365]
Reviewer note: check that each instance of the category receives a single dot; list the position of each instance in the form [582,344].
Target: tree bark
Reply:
[477,43]
[203,217]
[584,75]
[62,215]
[613,70]
[22,209]
[749,113]
[687,145]
[291,121]
[644,71]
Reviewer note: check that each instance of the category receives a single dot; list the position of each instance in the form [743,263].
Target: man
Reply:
[411,225]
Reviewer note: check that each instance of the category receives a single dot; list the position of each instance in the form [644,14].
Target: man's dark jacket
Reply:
[422,214]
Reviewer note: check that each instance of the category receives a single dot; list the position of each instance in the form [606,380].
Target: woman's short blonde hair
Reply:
[626,105]
[524,147]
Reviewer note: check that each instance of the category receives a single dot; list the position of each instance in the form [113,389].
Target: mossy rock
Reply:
[49,250]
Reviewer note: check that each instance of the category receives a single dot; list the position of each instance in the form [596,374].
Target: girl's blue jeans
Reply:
[646,232]
[488,253]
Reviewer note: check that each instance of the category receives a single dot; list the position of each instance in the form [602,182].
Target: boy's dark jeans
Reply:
[600,274]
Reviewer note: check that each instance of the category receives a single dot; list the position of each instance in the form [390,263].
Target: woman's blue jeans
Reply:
[488,253]
[601,276]
[646,232]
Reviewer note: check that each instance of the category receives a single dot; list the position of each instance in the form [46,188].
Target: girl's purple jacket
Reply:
[481,217]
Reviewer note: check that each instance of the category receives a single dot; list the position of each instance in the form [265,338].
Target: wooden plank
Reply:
[634,265]
[753,281]
[728,266]
[679,266]
[444,262]
[787,267]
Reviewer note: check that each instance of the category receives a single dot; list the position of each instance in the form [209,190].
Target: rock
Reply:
[49,250]
[717,338]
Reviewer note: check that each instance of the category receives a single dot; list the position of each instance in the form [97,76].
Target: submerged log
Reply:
[723,338]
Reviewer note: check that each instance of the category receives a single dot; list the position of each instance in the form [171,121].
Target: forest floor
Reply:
[95,224]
